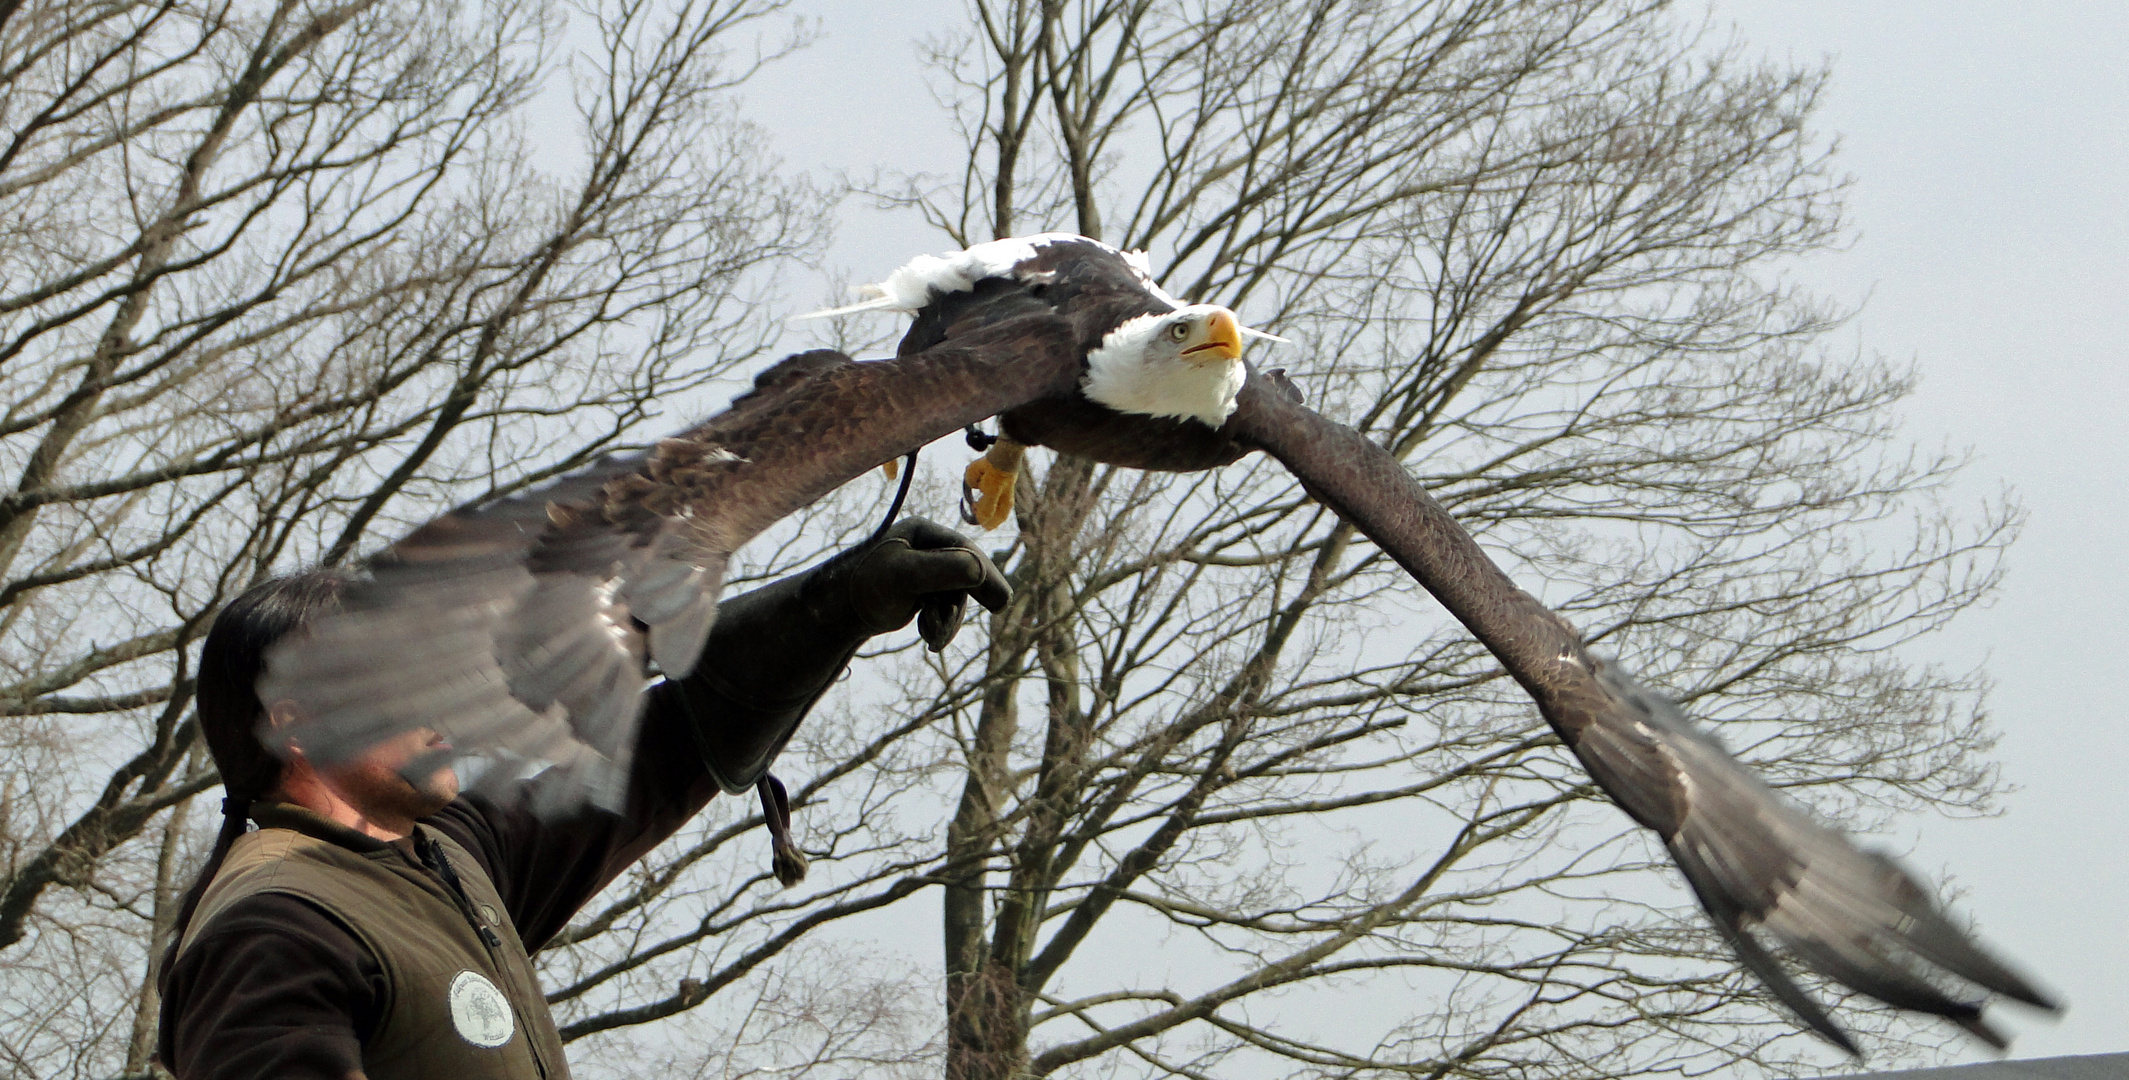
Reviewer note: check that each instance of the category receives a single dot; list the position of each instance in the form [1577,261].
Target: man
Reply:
[376,927]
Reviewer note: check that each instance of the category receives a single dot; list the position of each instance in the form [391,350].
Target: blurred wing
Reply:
[1752,857]
[500,625]
[519,627]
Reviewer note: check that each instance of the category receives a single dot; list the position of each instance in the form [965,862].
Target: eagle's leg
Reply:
[987,485]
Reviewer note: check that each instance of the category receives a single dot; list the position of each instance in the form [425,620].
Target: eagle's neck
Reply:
[1132,373]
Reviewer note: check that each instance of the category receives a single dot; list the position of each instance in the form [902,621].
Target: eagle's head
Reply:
[1165,359]
[1185,363]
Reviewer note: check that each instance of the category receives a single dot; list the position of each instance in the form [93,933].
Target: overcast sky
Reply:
[1989,143]
[1990,153]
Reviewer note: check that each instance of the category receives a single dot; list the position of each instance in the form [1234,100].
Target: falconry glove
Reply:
[774,651]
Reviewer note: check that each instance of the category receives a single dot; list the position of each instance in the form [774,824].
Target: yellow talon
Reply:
[893,468]
[987,485]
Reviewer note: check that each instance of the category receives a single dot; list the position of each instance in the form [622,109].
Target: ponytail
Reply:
[236,812]
[231,661]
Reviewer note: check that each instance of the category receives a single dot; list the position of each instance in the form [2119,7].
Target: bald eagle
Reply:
[520,627]
[1170,360]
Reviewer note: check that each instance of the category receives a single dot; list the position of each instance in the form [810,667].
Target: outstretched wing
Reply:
[519,628]
[1755,860]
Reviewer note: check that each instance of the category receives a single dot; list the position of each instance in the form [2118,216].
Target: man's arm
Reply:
[774,651]
[274,989]
[770,655]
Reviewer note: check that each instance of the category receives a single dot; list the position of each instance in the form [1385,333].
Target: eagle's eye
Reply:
[1180,331]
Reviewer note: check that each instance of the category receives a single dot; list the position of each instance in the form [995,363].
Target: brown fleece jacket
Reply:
[276,988]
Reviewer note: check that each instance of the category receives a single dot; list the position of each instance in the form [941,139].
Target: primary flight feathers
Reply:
[519,627]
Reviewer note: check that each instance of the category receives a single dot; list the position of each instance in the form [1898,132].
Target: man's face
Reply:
[372,784]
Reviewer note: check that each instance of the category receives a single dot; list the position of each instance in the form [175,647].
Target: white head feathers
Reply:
[1185,364]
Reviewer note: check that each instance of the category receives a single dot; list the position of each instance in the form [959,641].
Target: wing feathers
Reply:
[519,627]
[1730,921]
[676,640]
[1752,858]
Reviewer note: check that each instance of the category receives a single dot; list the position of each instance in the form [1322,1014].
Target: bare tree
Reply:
[1524,242]
[275,278]
[1225,793]
[1220,791]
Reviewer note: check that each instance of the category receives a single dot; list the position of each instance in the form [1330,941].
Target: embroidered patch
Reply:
[479,1011]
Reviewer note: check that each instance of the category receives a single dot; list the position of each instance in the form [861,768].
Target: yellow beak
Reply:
[1216,340]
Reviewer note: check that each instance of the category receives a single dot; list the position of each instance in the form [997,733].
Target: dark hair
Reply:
[231,660]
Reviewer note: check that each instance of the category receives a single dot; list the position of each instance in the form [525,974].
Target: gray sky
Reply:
[1990,153]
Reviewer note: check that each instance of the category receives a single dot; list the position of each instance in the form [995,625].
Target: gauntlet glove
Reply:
[773,652]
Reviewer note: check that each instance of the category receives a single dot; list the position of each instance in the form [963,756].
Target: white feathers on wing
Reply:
[912,285]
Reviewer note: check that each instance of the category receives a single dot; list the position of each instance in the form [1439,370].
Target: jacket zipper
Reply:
[432,854]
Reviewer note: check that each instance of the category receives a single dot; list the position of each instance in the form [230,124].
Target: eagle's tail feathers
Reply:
[876,299]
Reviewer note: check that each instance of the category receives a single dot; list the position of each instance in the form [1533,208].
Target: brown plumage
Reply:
[519,627]
[1754,859]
